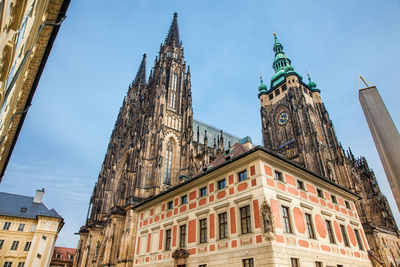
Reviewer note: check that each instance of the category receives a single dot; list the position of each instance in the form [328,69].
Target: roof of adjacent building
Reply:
[23,206]
[236,150]
[212,132]
[64,252]
[238,155]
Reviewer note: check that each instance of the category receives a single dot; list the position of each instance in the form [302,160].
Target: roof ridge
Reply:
[215,128]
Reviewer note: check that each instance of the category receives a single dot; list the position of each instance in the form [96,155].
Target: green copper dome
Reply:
[312,85]
[262,88]
[281,65]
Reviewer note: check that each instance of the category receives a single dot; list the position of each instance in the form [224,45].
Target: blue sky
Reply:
[227,44]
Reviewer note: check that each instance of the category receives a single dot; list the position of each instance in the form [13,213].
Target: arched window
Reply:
[174,83]
[168,164]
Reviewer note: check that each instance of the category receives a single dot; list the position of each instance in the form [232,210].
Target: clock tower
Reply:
[295,122]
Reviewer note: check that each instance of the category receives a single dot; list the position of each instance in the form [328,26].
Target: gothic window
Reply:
[174,83]
[168,164]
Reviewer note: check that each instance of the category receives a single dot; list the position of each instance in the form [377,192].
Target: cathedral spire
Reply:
[173,33]
[281,62]
[141,74]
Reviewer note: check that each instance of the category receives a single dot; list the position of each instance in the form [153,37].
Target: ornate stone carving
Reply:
[180,253]
[267,225]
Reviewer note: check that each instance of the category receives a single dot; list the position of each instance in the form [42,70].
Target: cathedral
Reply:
[157,146]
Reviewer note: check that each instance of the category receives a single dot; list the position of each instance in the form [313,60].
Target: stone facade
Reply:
[296,124]
[28,29]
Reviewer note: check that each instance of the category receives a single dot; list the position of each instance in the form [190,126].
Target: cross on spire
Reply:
[141,74]
[173,33]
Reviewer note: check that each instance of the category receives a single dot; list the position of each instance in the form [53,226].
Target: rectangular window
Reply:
[319,193]
[14,245]
[221,184]
[284,88]
[360,244]
[310,227]
[44,237]
[300,184]
[287,227]
[184,199]
[38,256]
[318,264]
[6,225]
[277,92]
[245,219]
[271,96]
[203,230]
[1,243]
[242,176]
[21,227]
[170,205]
[223,225]
[344,235]
[7,264]
[347,205]
[330,232]
[334,200]
[168,239]
[182,236]
[248,263]
[294,262]
[278,176]
[203,191]
[21,264]
[27,246]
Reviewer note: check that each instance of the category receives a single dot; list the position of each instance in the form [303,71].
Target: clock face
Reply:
[283,118]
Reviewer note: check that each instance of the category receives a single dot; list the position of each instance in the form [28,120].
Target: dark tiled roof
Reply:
[64,252]
[12,205]
[236,150]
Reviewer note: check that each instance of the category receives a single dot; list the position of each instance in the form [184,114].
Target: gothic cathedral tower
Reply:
[296,124]
[151,142]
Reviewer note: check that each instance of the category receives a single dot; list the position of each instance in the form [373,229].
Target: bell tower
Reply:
[295,122]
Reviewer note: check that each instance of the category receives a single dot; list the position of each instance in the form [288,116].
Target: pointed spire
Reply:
[312,85]
[280,61]
[141,74]
[173,33]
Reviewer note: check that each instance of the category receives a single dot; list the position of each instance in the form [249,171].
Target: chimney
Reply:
[39,196]
[247,142]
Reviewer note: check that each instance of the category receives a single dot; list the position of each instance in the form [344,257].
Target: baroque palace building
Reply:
[163,169]
[28,29]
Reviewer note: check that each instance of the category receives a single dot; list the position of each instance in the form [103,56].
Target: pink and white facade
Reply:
[253,210]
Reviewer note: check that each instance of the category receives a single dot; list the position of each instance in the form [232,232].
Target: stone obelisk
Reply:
[384,133]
